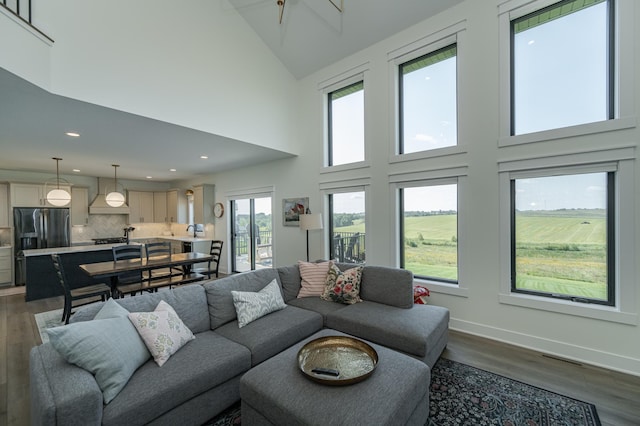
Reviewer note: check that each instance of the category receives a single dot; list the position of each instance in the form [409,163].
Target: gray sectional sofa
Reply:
[202,379]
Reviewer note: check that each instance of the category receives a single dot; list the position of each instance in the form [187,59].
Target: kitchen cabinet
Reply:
[4,205]
[140,207]
[79,206]
[32,195]
[6,265]
[203,201]
[160,207]
[176,206]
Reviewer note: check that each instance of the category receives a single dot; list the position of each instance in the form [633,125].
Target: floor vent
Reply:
[557,358]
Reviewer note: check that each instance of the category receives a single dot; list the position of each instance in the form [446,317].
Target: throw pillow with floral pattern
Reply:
[162,331]
[343,287]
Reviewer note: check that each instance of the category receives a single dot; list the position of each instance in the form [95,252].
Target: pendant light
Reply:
[115,198]
[58,197]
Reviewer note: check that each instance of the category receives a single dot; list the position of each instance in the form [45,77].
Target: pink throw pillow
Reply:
[313,277]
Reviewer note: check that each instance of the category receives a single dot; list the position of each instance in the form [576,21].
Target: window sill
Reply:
[442,288]
[345,167]
[598,312]
[568,132]
[435,153]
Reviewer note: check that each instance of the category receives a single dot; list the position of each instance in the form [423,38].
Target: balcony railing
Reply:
[22,11]
[349,247]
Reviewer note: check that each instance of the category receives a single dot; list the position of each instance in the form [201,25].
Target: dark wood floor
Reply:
[616,396]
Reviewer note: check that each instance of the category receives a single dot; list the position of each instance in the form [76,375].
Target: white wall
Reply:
[195,64]
[477,309]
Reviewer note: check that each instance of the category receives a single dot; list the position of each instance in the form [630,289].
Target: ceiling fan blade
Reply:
[336,6]
[281,6]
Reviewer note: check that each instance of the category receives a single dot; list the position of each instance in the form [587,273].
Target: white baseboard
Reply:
[580,354]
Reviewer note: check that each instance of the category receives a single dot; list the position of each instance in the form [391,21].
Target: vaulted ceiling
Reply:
[312,35]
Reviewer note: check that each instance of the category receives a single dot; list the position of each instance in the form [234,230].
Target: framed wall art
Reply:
[292,208]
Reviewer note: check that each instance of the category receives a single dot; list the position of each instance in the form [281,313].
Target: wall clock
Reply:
[218,210]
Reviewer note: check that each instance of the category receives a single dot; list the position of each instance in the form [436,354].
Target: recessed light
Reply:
[149,177]
[76,170]
[172,170]
[73,134]
[204,157]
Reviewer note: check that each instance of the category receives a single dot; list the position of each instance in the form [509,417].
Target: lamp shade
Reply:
[58,197]
[114,199]
[310,221]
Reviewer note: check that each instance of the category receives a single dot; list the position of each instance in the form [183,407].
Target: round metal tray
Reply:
[337,360]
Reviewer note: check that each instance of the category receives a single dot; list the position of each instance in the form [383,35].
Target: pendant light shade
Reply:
[115,198]
[58,197]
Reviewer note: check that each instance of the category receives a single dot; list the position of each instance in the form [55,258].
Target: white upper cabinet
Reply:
[160,207]
[79,206]
[4,205]
[203,201]
[140,207]
[176,206]
[31,195]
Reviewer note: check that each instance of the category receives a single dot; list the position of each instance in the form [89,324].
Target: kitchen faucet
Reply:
[194,230]
[127,231]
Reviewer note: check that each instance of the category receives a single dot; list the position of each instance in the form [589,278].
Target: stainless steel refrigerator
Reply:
[36,228]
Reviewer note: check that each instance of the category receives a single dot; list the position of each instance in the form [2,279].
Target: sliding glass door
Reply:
[251,233]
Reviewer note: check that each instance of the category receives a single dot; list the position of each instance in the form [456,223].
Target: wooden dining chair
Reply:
[86,295]
[162,248]
[129,282]
[216,251]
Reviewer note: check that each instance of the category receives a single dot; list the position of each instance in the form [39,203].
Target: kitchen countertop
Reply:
[93,247]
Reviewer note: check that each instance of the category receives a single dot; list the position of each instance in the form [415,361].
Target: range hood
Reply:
[99,204]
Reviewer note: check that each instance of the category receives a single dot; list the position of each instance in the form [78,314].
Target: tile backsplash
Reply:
[112,225]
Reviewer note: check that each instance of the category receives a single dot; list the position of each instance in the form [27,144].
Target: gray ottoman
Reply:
[277,393]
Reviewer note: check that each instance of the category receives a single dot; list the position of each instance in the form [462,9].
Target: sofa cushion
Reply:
[316,304]
[343,287]
[253,305]
[408,330]
[272,333]
[162,331]
[188,302]
[152,391]
[108,348]
[391,286]
[313,278]
[290,280]
[219,299]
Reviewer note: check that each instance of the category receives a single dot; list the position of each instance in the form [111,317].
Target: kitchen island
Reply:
[41,279]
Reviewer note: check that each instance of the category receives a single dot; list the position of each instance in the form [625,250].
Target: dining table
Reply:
[112,269]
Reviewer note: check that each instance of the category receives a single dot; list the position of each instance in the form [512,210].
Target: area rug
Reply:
[464,395]
[46,320]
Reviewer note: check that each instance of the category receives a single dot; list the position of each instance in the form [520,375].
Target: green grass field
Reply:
[560,252]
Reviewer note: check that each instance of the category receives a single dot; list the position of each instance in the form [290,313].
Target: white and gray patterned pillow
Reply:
[251,305]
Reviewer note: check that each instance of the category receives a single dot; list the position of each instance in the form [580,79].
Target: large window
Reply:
[428,107]
[429,231]
[562,66]
[562,236]
[346,125]
[347,226]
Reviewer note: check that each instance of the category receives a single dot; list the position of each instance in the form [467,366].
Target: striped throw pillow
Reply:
[313,277]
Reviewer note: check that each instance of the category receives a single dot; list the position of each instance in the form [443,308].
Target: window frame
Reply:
[623,77]
[401,218]
[610,238]
[330,189]
[611,61]
[451,34]
[400,91]
[329,112]
[623,159]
